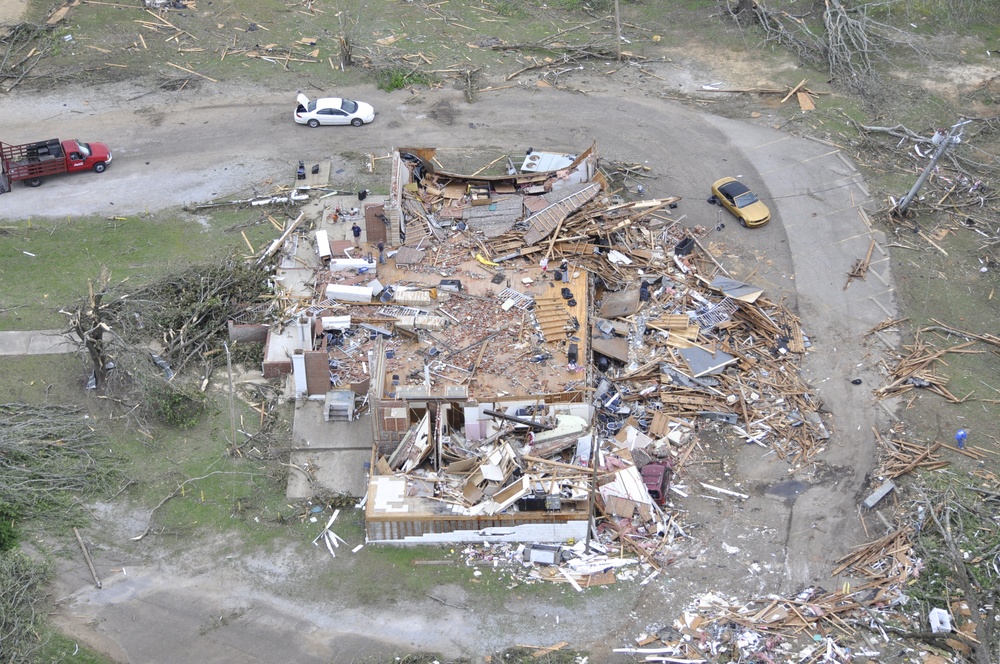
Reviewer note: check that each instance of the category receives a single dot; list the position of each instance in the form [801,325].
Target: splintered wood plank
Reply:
[60,13]
[796,343]
[805,101]
[794,90]
[660,426]
[580,580]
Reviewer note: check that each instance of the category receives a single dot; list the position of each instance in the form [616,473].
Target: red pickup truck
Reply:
[33,161]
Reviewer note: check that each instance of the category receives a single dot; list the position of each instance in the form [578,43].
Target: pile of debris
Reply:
[769,630]
[500,387]
[571,564]
[813,626]
[917,368]
[898,456]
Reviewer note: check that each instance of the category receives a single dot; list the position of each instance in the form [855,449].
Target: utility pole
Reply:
[952,138]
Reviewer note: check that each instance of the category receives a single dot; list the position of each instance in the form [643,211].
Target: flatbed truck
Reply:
[30,162]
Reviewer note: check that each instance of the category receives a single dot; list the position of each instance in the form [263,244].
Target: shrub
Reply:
[397,78]
[178,407]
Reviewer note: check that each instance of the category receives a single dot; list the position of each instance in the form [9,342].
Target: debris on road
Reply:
[860,268]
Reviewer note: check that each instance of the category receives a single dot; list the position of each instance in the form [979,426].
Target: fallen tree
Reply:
[21,606]
[22,47]
[844,38]
[140,340]
[49,455]
[967,553]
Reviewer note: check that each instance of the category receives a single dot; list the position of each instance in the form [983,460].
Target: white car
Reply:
[332,111]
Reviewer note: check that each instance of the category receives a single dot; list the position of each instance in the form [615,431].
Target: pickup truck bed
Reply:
[33,159]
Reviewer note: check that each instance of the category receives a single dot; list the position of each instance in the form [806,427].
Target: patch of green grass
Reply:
[228,495]
[509,8]
[988,30]
[264,42]
[931,16]
[686,5]
[379,572]
[595,6]
[61,648]
[39,379]
[45,264]
[240,495]
[952,290]
[522,655]
[916,107]
[9,532]
[833,123]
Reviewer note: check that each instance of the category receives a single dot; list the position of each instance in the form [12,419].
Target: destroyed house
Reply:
[483,376]
[519,327]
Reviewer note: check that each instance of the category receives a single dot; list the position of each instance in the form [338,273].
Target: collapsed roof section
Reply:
[426,198]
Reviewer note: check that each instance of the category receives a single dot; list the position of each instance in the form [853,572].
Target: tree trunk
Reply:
[346,48]
[89,326]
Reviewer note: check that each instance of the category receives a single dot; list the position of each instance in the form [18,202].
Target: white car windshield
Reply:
[349,106]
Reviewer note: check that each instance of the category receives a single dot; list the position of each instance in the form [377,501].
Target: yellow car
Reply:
[741,202]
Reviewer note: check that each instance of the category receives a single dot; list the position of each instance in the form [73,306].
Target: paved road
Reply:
[821,200]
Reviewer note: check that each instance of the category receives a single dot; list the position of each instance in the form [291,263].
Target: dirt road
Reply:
[174,148]
[11,10]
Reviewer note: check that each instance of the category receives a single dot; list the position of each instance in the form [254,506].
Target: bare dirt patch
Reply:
[12,11]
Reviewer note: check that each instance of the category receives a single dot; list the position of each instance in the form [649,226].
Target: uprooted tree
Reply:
[140,341]
[843,37]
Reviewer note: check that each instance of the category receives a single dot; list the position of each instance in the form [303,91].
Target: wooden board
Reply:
[60,13]
[454,190]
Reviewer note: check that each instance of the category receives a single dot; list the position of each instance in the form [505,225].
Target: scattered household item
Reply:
[940,620]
